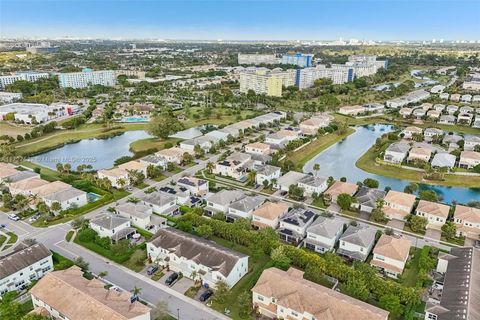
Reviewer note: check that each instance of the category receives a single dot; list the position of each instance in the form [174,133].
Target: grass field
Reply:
[13,130]
[151,143]
[367,163]
[303,155]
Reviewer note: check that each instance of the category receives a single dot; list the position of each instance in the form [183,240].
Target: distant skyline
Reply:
[241,20]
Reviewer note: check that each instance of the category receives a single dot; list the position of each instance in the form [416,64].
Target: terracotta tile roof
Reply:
[386,266]
[470,155]
[433,208]
[339,187]
[400,198]
[292,291]
[258,145]
[52,187]
[392,247]
[467,213]
[133,165]
[172,152]
[420,151]
[28,184]
[77,298]
[6,172]
[271,210]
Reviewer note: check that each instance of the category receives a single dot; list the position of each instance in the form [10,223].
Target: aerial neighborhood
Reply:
[178,179]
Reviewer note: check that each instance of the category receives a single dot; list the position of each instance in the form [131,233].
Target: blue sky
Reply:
[242,20]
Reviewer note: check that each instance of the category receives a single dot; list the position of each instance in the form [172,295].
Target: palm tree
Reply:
[316,168]
[121,183]
[251,177]
[210,166]
[56,206]
[135,292]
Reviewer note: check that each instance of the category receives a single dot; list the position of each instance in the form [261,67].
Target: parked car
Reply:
[171,279]
[13,216]
[151,270]
[34,218]
[205,295]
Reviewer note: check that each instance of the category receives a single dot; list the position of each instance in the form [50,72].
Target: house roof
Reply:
[369,196]
[133,165]
[22,256]
[199,250]
[22,175]
[339,187]
[271,210]
[28,184]
[400,198]
[267,170]
[137,210]
[467,213]
[443,159]
[109,221]
[433,208]
[291,177]
[393,247]
[298,217]
[248,203]
[52,187]
[413,129]
[419,151]
[64,195]
[171,152]
[114,172]
[399,147]
[461,288]
[258,145]
[77,298]
[291,291]
[191,181]
[359,235]
[225,197]
[473,155]
[313,181]
[326,227]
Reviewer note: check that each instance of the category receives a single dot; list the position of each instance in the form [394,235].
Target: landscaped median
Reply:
[302,156]
[370,162]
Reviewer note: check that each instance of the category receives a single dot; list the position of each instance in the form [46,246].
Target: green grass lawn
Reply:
[152,143]
[410,274]
[69,235]
[157,275]
[303,155]
[45,173]
[60,262]
[191,292]
[13,238]
[2,239]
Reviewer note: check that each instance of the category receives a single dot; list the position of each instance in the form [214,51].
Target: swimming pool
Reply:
[92,197]
[135,119]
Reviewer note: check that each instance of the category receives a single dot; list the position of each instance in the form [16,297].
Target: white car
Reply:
[13,216]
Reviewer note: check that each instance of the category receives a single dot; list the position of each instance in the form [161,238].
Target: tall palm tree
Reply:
[316,168]
[210,166]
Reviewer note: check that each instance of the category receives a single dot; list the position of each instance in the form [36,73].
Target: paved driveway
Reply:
[363,215]
[396,224]
[182,285]
[433,233]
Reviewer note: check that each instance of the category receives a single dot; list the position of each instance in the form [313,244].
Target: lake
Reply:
[100,153]
[339,161]
[191,133]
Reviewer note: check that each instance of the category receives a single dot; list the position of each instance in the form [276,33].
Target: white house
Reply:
[471,142]
[69,198]
[233,166]
[467,220]
[134,166]
[258,148]
[398,205]
[173,155]
[267,173]
[244,208]
[323,234]
[67,294]
[118,178]
[26,263]
[435,213]
[221,201]
[396,152]
[138,214]
[154,160]
[112,226]
[390,255]
[408,132]
[469,159]
[196,257]
[285,181]
[195,186]
[357,242]
[311,184]
[294,224]
[161,203]
[269,214]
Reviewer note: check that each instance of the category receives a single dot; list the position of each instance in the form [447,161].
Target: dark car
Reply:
[171,279]
[207,294]
[151,270]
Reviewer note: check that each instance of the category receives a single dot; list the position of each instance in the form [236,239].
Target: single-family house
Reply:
[258,148]
[158,202]
[398,205]
[451,109]
[233,166]
[466,98]
[26,187]
[154,160]
[439,107]
[311,126]
[338,188]
[430,133]
[221,201]
[466,109]
[447,119]
[112,226]
[469,159]
[285,181]
[434,114]
[351,110]
[419,113]
[405,112]
[419,153]
[465,118]
[367,198]
[390,255]
[455,97]
[118,178]
[173,155]
[444,96]
[269,214]
[408,132]
[471,142]
[134,166]
[356,242]
[267,173]
[443,160]
[313,184]
[195,186]
[69,198]
[197,258]
[435,213]
[294,224]
[323,234]
[396,152]
[467,220]
[139,214]
[243,208]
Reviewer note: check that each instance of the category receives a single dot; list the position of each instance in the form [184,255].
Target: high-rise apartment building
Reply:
[269,83]
[298,59]
[26,76]
[86,78]
[255,58]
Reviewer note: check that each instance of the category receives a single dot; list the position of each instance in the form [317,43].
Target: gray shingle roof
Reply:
[369,196]
[23,255]
[313,181]
[197,249]
[248,203]
[326,227]
[225,197]
[109,221]
[362,236]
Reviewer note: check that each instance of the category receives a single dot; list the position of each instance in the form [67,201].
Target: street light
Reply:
[178,314]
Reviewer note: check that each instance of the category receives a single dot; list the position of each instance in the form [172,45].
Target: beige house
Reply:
[68,295]
[258,148]
[311,126]
[435,213]
[398,205]
[419,153]
[174,155]
[405,112]
[118,178]
[467,220]
[269,214]
[408,132]
[351,110]
[282,294]
[390,255]
[469,159]
[339,187]
[134,166]
[26,187]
